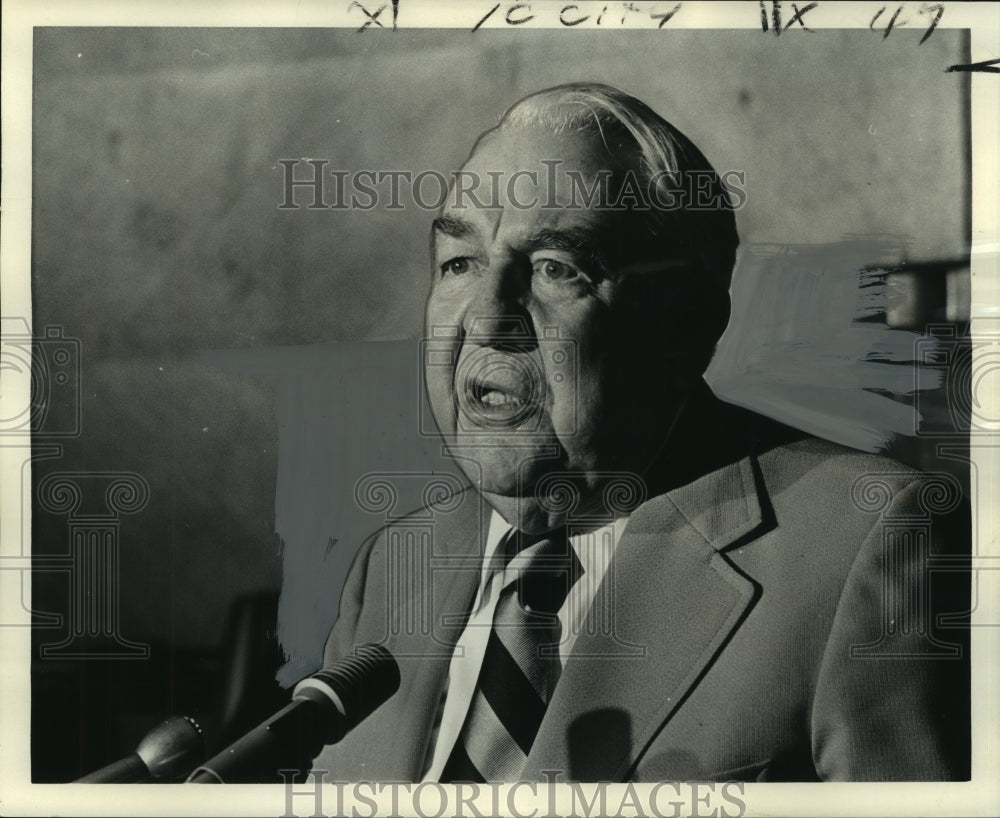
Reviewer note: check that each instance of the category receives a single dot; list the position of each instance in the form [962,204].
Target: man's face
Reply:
[546,324]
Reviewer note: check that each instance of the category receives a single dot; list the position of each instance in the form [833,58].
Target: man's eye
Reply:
[456,266]
[554,270]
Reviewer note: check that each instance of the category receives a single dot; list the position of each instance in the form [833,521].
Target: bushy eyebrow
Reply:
[578,242]
[571,240]
[454,227]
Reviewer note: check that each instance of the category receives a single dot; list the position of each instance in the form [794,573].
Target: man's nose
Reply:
[497,316]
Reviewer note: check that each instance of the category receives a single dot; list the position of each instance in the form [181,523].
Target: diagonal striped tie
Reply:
[521,664]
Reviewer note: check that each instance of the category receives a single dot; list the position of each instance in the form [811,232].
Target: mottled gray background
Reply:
[222,350]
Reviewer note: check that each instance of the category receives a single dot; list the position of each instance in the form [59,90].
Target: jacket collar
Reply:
[666,608]
[437,567]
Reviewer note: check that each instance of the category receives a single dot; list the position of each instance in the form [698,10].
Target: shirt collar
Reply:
[594,560]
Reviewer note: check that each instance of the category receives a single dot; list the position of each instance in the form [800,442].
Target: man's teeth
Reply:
[494,398]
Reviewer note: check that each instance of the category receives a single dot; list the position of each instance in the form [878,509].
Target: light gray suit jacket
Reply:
[773,614]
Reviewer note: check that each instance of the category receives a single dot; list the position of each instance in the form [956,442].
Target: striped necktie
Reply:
[521,664]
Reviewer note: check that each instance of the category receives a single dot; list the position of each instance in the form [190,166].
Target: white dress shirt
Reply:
[594,549]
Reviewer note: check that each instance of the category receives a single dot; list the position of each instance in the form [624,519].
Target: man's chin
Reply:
[505,464]
[523,513]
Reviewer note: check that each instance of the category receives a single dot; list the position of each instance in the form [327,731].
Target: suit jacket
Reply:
[772,612]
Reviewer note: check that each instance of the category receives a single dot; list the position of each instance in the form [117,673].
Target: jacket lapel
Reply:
[663,612]
[437,597]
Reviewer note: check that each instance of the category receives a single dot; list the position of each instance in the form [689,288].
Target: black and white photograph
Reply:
[500,408]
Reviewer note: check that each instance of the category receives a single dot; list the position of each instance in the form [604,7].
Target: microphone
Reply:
[324,708]
[166,753]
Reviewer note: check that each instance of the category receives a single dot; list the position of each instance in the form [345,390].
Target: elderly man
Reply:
[645,583]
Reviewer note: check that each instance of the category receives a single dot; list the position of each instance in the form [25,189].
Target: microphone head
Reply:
[361,682]
[172,749]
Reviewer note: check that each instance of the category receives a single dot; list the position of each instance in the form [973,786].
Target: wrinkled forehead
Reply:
[520,163]
[606,146]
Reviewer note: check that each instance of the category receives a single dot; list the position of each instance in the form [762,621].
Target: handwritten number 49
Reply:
[773,21]
[937,9]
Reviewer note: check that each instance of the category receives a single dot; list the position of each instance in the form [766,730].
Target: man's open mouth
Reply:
[499,397]
[498,401]
[493,396]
